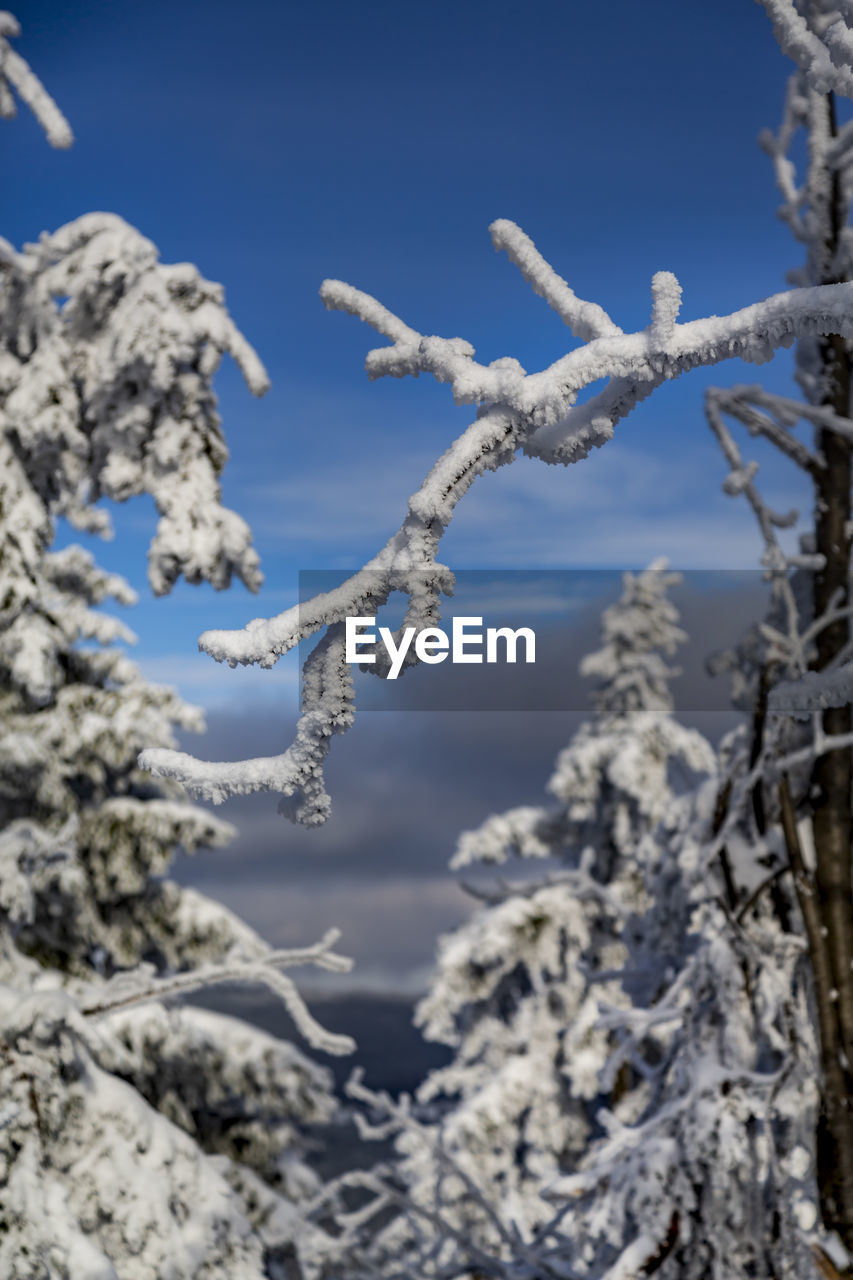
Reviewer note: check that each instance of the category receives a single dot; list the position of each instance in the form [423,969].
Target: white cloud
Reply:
[623,506]
[211,684]
[620,508]
[388,927]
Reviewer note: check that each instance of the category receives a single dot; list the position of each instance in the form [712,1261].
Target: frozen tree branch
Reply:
[814,691]
[522,1260]
[16,74]
[534,412]
[139,987]
[822,50]
[586,320]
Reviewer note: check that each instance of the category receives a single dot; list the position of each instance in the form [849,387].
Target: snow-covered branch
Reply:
[586,320]
[820,41]
[16,74]
[535,412]
[443,1249]
[141,986]
[815,691]
[109,394]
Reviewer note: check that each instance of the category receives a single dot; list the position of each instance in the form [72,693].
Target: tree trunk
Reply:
[831,779]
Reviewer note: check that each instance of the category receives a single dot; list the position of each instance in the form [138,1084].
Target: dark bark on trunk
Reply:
[725,861]
[831,779]
[835,1158]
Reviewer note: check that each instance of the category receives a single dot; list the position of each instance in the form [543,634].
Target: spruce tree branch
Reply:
[127,990]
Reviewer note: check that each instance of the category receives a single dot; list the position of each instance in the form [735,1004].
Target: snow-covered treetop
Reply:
[107,358]
[16,74]
[614,780]
[637,631]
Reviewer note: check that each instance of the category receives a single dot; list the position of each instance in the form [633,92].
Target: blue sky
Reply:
[275,144]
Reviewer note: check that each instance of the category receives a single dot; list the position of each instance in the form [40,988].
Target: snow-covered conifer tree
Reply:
[137,1140]
[519,987]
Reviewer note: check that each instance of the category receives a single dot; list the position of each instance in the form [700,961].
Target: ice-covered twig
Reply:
[585,319]
[523,1259]
[786,410]
[825,61]
[744,403]
[777,146]
[666,304]
[140,986]
[741,482]
[16,74]
[298,772]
